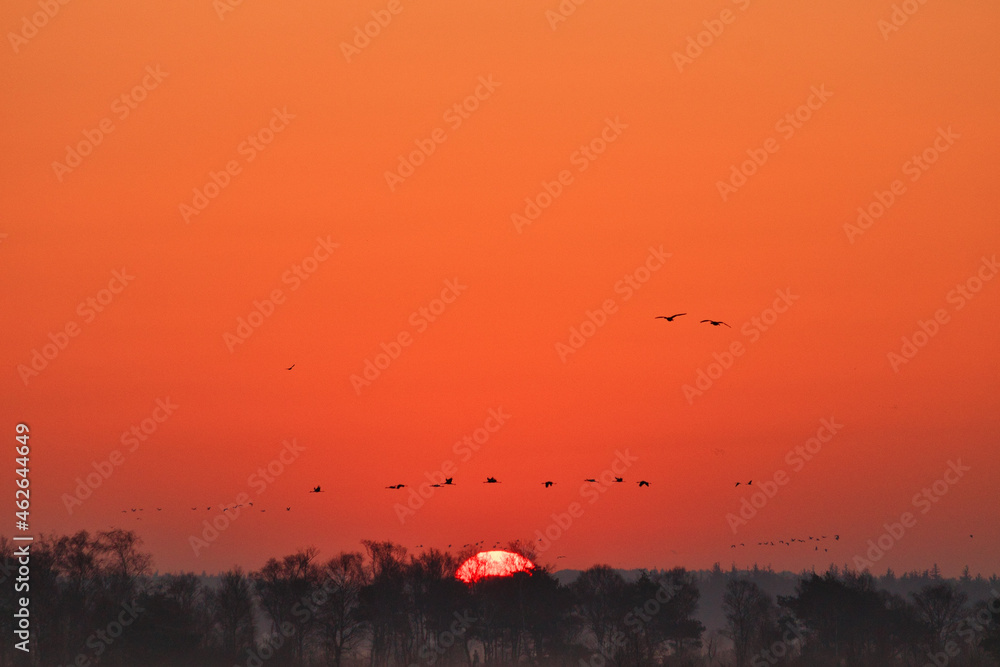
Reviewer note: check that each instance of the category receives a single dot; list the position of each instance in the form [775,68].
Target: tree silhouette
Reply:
[386,607]
[284,588]
[341,623]
[940,607]
[751,619]
[602,606]
[232,610]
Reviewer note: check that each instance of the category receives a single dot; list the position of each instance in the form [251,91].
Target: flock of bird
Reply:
[670,318]
[789,543]
[450,481]
[224,508]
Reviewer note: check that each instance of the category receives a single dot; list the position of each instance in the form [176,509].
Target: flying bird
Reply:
[643,483]
[715,323]
[668,318]
[548,484]
[316,489]
[290,367]
[737,484]
[591,479]
[448,482]
[491,480]
[396,486]
[619,479]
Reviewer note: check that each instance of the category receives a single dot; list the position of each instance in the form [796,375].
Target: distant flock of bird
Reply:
[790,542]
[450,481]
[670,318]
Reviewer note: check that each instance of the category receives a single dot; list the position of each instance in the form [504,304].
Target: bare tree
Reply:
[232,611]
[342,625]
[285,589]
[600,593]
[750,618]
[940,607]
[384,603]
[122,562]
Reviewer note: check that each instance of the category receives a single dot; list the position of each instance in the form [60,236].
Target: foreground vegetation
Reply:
[95,601]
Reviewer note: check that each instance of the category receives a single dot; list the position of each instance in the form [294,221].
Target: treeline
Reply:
[95,601]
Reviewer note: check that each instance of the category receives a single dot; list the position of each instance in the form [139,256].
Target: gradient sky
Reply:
[893,93]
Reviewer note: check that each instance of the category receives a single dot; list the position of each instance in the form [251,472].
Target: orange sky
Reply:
[308,129]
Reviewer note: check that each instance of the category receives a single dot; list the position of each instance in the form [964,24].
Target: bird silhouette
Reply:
[316,489]
[737,484]
[491,480]
[448,482]
[396,486]
[288,509]
[668,318]
[590,479]
[715,323]
[750,482]
[548,484]
[290,367]
[643,483]
[619,479]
